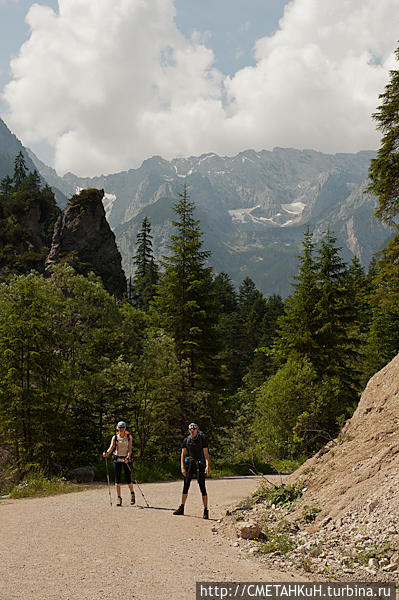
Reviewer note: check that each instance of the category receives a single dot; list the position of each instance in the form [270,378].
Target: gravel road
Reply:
[76,546]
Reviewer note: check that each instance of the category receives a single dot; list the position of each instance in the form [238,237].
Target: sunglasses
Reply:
[192,428]
[121,428]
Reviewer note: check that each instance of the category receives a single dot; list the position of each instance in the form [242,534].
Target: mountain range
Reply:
[253,208]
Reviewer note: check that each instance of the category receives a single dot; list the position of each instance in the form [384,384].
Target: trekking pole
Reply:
[109,488]
[141,491]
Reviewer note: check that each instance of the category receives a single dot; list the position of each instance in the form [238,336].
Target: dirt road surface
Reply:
[76,547]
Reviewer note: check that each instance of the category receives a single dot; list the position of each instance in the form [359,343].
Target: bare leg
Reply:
[205,501]
[183,498]
[118,489]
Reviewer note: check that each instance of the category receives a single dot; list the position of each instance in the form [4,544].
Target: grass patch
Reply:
[38,485]
[288,465]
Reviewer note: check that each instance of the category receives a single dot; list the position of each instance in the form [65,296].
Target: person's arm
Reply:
[206,454]
[111,447]
[182,463]
[129,449]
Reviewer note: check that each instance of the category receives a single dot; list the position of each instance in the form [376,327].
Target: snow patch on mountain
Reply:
[295,208]
[108,202]
[244,215]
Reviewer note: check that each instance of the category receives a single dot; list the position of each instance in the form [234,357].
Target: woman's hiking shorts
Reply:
[118,471]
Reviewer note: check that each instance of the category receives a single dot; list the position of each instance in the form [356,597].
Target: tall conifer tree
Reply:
[20,170]
[146,276]
[185,302]
[300,322]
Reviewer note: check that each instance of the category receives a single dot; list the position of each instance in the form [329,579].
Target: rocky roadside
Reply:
[356,546]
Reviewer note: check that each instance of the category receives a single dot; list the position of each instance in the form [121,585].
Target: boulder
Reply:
[81,475]
[248,530]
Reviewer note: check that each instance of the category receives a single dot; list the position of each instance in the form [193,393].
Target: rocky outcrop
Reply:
[83,239]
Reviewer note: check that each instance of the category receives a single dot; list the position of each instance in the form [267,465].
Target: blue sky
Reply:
[100,86]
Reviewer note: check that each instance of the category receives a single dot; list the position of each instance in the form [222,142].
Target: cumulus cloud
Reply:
[111,82]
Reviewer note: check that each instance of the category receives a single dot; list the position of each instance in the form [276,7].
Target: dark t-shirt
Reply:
[195,446]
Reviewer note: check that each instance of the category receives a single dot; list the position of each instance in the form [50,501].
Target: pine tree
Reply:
[383,342]
[299,325]
[335,314]
[32,181]
[185,302]
[225,293]
[144,248]
[384,170]
[20,170]
[6,188]
[146,276]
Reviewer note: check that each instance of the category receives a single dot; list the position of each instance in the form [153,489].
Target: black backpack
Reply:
[188,458]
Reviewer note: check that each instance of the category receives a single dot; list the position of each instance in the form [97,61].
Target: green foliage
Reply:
[59,338]
[277,540]
[383,336]
[279,403]
[36,484]
[384,170]
[282,495]
[379,552]
[300,407]
[285,495]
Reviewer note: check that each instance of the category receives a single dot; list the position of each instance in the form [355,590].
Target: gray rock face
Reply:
[81,475]
[83,239]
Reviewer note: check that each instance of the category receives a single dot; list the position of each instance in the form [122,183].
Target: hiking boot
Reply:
[206,514]
[180,510]
[132,498]
[119,501]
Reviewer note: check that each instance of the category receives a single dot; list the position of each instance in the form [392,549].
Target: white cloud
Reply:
[113,81]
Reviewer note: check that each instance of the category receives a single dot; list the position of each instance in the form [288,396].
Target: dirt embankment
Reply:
[346,524]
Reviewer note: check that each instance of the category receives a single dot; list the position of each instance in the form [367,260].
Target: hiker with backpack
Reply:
[121,448]
[194,461]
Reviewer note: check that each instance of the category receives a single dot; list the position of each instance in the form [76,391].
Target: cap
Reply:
[193,426]
[121,424]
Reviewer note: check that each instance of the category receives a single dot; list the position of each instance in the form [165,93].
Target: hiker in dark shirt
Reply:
[194,461]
